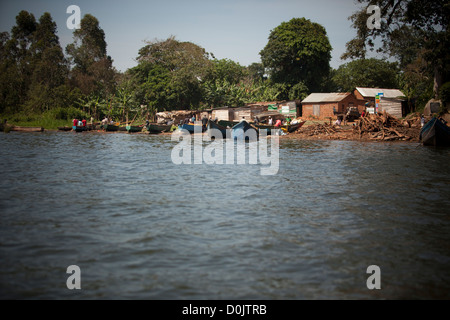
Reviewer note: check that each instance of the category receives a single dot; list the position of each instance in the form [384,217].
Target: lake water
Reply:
[141,227]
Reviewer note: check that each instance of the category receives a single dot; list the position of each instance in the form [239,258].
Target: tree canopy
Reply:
[298,54]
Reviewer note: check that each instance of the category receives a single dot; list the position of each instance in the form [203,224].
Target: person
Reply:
[256,120]
[147,123]
[186,120]
[422,120]
[105,121]
[338,122]
[193,119]
[278,124]
[204,122]
[243,119]
[270,121]
[84,122]
[75,122]
[363,114]
[288,120]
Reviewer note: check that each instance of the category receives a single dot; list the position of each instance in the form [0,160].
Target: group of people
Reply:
[79,123]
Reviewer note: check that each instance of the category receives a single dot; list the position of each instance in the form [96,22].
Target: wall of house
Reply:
[323,111]
[222,114]
[391,106]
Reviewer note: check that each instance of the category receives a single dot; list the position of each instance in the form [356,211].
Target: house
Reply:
[324,105]
[391,101]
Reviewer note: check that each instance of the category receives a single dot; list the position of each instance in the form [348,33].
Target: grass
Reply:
[45,121]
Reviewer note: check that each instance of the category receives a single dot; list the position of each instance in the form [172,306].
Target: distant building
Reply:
[392,100]
[325,105]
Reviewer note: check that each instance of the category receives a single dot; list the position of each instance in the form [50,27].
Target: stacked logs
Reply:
[318,129]
[383,127]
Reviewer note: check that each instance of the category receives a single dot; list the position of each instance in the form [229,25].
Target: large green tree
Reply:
[410,30]
[366,73]
[297,55]
[50,68]
[92,68]
[170,73]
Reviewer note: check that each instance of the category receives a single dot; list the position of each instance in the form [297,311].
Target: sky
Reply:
[230,29]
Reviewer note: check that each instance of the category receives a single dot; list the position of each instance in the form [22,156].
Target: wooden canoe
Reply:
[110,127]
[132,129]
[191,127]
[65,128]
[290,128]
[212,125]
[27,129]
[243,130]
[158,128]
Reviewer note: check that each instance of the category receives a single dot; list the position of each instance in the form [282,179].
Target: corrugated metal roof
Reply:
[326,97]
[372,92]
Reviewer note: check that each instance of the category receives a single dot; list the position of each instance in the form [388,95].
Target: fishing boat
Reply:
[79,128]
[132,129]
[110,127]
[191,127]
[212,125]
[227,124]
[65,128]
[158,128]
[27,129]
[288,128]
[243,130]
[435,133]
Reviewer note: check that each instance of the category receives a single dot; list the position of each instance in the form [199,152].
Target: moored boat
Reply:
[65,128]
[288,128]
[158,128]
[435,133]
[27,129]
[79,128]
[244,131]
[214,126]
[110,127]
[132,129]
[191,127]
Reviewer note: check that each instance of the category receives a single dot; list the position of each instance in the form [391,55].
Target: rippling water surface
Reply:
[140,227]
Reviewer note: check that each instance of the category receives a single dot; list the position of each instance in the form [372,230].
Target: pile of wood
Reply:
[383,127]
[319,129]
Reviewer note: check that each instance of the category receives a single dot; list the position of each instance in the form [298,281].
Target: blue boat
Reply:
[191,127]
[79,129]
[435,133]
[244,131]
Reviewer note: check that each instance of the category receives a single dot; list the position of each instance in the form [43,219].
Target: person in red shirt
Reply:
[278,124]
[75,122]
[84,122]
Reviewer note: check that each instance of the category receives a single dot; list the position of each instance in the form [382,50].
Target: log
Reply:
[27,129]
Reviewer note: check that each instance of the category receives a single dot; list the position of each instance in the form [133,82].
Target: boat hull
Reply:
[243,131]
[435,133]
[214,126]
[158,128]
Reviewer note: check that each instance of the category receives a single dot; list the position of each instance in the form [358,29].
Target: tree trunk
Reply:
[437,82]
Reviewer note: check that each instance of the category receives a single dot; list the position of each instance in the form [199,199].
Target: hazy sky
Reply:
[233,29]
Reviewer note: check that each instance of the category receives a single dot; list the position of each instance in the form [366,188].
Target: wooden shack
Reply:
[392,100]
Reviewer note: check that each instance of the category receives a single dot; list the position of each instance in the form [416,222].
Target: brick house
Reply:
[322,105]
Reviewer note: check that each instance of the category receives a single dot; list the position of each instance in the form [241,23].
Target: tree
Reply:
[170,73]
[298,54]
[410,29]
[50,67]
[92,69]
[366,73]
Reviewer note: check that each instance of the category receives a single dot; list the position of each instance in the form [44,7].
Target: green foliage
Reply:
[298,51]
[444,93]
[368,73]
